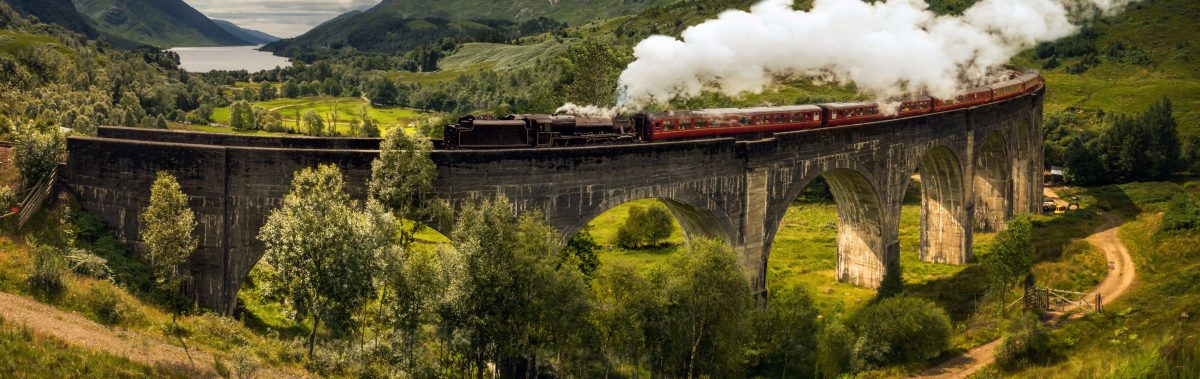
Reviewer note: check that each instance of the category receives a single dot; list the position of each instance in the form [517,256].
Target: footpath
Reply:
[1121,273]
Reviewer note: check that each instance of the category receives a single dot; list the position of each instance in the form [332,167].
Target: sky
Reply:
[281,18]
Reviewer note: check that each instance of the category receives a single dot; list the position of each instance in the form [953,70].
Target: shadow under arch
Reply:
[695,221]
[993,186]
[861,254]
[1026,177]
[945,237]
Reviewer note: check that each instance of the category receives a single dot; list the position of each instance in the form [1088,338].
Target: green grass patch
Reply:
[345,109]
[1144,333]
[27,355]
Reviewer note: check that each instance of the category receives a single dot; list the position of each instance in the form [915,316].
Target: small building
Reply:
[1054,176]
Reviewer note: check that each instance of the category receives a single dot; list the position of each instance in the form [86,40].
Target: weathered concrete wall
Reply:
[976,166]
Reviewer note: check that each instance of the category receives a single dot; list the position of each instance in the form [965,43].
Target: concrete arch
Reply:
[695,221]
[861,251]
[992,184]
[944,208]
[1026,176]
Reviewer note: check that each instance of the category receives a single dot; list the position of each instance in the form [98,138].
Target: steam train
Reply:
[540,130]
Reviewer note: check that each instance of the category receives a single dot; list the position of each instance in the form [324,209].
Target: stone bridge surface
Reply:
[978,167]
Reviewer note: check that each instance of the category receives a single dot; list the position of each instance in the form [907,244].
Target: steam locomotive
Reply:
[539,130]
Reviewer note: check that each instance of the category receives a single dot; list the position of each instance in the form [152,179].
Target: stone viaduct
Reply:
[978,167]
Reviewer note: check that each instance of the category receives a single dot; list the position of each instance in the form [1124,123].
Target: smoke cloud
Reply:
[887,49]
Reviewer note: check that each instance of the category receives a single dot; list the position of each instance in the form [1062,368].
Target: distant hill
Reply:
[162,23]
[396,26]
[248,35]
[61,12]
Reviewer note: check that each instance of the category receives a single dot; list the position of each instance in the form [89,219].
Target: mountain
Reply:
[248,35]
[396,26]
[61,12]
[573,12]
[163,23]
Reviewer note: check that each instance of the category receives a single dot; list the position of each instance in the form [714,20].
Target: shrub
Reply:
[1182,214]
[899,330]
[48,269]
[646,226]
[1026,341]
[85,263]
[108,306]
[833,350]
[36,152]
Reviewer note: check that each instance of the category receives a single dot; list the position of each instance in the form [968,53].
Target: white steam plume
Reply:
[887,49]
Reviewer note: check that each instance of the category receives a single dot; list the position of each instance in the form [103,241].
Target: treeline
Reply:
[1145,147]
[390,36]
[51,76]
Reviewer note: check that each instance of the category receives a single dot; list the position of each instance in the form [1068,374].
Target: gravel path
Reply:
[1121,273]
[76,330]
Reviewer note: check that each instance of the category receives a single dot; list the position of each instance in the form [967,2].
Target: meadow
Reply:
[345,108]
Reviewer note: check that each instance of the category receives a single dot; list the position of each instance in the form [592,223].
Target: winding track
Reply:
[1121,273]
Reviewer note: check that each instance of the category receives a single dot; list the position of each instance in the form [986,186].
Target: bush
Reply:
[85,263]
[108,306]
[646,226]
[1026,341]
[1181,215]
[899,330]
[834,346]
[48,269]
[36,152]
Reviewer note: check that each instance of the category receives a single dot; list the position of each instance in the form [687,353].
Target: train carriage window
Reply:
[744,121]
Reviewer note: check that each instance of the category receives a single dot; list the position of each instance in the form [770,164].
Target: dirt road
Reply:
[1120,276]
[76,330]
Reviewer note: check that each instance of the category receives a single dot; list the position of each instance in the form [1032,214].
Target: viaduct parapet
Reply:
[978,167]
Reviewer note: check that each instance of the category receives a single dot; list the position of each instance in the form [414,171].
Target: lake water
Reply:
[204,59]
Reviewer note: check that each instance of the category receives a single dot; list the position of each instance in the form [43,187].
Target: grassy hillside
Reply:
[570,11]
[248,35]
[1152,331]
[60,12]
[399,26]
[162,23]
[1130,62]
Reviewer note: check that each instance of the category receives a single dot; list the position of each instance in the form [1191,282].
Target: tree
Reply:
[241,116]
[314,125]
[507,298]
[581,250]
[1011,257]
[645,226]
[1190,155]
[322,251]
[413,284]
[400,178]
[624,305]
[899,330]
[36,151]
[590,72]
[708,297]
[266,91]
[893,281]
[291,90]
[369,126]
[787,333]
[382,91]
[835,344]
[167,234]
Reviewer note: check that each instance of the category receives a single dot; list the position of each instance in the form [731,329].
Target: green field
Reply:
[1152,331]
[802,254]
[346,109]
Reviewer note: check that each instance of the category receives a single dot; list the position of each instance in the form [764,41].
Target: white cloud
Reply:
[282,18]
